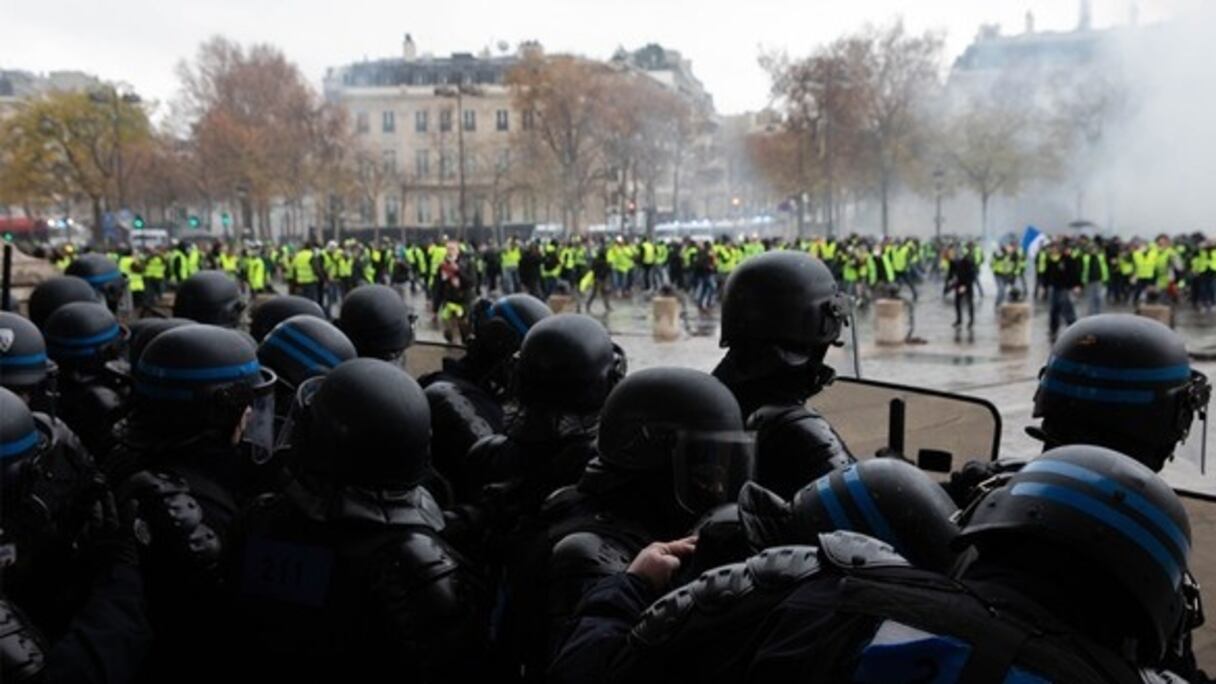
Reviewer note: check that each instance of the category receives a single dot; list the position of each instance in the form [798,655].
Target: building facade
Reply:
[438,130]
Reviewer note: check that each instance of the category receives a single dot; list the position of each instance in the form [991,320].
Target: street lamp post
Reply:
[112,97]
[938,185]
[458,93]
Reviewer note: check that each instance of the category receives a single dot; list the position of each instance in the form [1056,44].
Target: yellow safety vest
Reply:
[302,269]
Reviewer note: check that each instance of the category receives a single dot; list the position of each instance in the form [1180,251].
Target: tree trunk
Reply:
[98,228]
[885,190]
[984,197]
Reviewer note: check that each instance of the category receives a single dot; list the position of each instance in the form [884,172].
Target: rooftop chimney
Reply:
[408,49]
[1086,20]
[1029,22]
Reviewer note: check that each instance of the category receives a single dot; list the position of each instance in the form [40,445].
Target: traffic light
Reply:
[226,219]
[8,237]
[138,222]
[193,222]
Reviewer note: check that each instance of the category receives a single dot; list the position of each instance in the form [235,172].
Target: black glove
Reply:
[106,541]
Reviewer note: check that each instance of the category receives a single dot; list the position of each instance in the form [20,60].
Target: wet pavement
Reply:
[965,362]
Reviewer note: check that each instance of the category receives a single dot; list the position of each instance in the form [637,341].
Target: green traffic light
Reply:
[8,237]
[194,222]
[139,222]
[226,218]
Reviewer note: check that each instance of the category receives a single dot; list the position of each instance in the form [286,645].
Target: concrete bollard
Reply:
[666,317]
[560,303]
[1158,312]
[891,322]
[1014,324]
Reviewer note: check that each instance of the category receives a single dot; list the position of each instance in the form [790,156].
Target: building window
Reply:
[420,121]
[361,124]
[470,165]
[392,210]
[422,163]
[500,119]
[451,213]
[424,209]
[504,160]
[445,120]
[470,119]
[389,159]
[527,120]
[447,164]
[530,208]
[367,211]
[388,122]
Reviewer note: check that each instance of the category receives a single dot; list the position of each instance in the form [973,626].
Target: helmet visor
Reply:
[259,428]
[711,467]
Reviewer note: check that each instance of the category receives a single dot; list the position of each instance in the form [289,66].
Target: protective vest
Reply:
[228,263]
[648,253]
[1145,260]
[127,266]
[154,269]
[255,273]
[510,257]
[346,265]
[302,269]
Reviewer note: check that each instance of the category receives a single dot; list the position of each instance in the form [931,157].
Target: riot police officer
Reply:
[345,575]
[82,337]
[671,447]
[1123,382]
[378,321]
[466,397]
[199,392]
[780,313]
[53,293]
[567,366]
[275,310]
[301,347]
[1077,579]
[886,498]
[71,591]
[103,275]
[209,297]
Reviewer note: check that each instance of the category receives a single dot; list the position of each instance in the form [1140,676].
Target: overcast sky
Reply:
[140,41]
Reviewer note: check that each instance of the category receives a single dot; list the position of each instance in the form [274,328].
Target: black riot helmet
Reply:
[102,274]
[275,310]
[145,330]
[210,297]
[197,378]
[785,298]
[53,293]
[365,424]
[568,362]
[1112,516]
[303,347]
[498,329]
[682,422]
[1123,382]
[20,442]
[378,321]
[83,336]
[886,498]
[23,361]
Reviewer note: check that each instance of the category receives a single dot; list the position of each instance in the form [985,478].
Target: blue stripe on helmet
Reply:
[215,373]
[1110,487]
[101,278]
[835,511]
[157,392]
[311,345]
[18,446]
[101,337]
[1104,395]
[508,312]
[1106,515]
[26,360]
[861,497]
[297,354]
[1160,374]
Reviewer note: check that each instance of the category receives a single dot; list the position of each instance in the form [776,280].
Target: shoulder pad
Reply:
[445,396]
[852,551]
[764,515]
[169,519]
[423,556]
[22,652]
[774,415]
[588,553]
[561,500]
[484,449]
[724,597]
[108,402]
